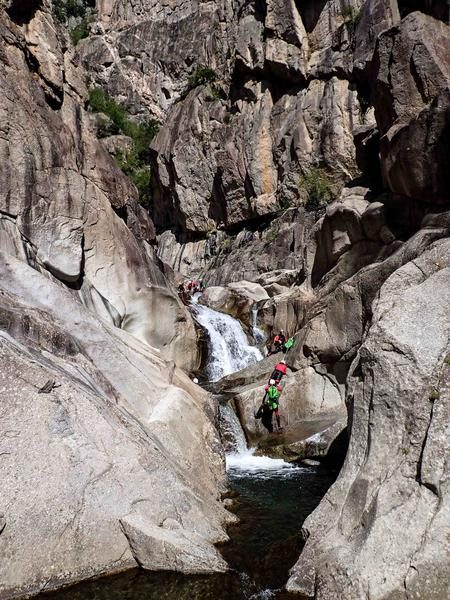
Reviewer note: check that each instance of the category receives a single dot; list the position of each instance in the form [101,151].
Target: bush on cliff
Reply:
[135,162]
[318,188]
[76,15]
[201,76]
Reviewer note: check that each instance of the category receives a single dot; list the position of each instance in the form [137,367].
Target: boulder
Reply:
[111,434]
[310,439]
[168,547]
[237,299]
[388,494]
[285,311]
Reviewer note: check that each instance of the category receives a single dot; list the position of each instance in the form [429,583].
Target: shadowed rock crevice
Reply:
[22,11]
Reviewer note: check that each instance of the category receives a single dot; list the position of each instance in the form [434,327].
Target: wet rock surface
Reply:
[302,152]
[91,390]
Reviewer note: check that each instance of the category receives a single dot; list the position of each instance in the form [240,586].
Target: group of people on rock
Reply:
[280,344]
[187,288]
[271,400]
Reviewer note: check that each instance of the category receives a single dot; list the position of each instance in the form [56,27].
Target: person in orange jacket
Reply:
[278,343]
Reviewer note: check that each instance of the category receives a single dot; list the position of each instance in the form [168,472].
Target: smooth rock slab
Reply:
[169,548]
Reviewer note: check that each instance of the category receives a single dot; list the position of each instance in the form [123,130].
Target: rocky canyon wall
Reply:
[303,147]
[349,100]
[109,455]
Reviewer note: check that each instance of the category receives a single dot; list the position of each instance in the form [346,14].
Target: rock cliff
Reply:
[300,168]
[311,159]
[109,455]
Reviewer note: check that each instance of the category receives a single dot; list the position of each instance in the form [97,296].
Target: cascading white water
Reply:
[258,334]
[232,434]
[229,350]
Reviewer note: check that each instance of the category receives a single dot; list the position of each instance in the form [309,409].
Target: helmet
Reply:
[272,382]
[283,362]
[195,380]
[281,330]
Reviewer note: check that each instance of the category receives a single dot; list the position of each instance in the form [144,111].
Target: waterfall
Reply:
[231,432]
[229,350]
[258,334]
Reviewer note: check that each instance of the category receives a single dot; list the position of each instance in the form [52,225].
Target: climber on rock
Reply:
[269,406]
[279,371]
[278,343]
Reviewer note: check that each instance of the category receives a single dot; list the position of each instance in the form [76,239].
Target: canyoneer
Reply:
[278,343]
[269,406]
[279,371]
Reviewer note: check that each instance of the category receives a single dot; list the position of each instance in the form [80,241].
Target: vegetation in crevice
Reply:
[77,15]
[318,188]
[135,162]
[352,16]
[203,75]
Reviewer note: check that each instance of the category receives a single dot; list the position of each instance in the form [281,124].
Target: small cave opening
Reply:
[23,11]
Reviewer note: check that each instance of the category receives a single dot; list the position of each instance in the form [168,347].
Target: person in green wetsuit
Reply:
[270,405]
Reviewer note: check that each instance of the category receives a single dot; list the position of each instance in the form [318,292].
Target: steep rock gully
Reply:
[272,499]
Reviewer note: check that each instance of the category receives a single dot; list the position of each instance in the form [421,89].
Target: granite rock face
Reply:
[279,100]
[398,390]
[96,413]
[309,161]
[61,194]
[91,338]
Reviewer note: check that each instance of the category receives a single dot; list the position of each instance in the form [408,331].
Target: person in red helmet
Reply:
[279,371]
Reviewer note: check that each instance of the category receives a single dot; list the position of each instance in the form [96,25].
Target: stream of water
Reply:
[272,498]
[228,347]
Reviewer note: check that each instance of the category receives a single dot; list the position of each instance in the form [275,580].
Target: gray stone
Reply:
[384,491]
[161,548]
[108,440]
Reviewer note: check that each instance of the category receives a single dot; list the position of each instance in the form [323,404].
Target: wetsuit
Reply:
[279,371]
[270,406]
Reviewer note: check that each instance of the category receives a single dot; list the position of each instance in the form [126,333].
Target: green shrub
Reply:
[318,187]
[82,10]
[80,31]
[352,17]
[59,10]
[141,133]
[271,235]
[214,93]
[435,394]
[286,202]
[201,76]
[133,163]
[138,172]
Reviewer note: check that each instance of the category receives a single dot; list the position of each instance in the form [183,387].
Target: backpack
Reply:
[273,393]
[289,343]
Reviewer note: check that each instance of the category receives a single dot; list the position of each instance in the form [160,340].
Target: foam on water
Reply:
[244,463]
